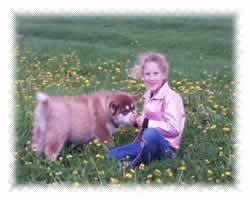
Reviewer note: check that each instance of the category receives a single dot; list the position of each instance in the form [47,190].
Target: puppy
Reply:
[79,119]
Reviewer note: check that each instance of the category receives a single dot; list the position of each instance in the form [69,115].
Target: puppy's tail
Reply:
[41,111]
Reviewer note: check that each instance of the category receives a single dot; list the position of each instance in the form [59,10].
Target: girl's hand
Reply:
[139,120]
[132,118]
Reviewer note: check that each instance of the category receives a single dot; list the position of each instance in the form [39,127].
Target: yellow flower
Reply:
[227,173]
[95,141]
[69,156]
[213,126]
[169,172]
[125,164]
[209,171]
[114,180]
[58,173]
[226,129]
[207,161]
[183,168]
[149,176]
[85,162]
[101,172]
[75,172]
[141,166]
[99,156]
[157,172]
[128,176]
[158,180]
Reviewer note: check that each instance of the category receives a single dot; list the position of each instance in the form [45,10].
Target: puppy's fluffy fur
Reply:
[78,119]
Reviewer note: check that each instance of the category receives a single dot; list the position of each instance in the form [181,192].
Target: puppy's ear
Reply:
[113,107]
[136,97]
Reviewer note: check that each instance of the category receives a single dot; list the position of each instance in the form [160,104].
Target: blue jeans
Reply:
[151,147]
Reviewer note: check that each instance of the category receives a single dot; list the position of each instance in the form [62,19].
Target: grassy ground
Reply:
[79,55]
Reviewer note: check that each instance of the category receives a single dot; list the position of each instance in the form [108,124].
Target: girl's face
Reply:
[153,76]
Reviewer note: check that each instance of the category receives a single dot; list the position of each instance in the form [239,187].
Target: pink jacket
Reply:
[165,111]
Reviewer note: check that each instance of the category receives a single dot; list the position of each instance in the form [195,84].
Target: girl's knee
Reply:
[150,134]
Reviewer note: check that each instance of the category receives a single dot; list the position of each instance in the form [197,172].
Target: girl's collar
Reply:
[161,93]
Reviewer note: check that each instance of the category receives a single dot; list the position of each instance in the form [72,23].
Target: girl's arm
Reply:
[173,117]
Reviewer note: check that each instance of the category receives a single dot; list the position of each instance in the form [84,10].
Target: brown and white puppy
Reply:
[79,119]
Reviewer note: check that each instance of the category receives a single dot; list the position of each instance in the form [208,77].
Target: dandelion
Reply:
[95,141]
[207,161]
[213,126]
[58,173]
[114,180]
[75,172]
[215,106]
[199,127]
[210,179]
[169,172]
[227,173]
[99,156]
[209,172]
[125,165]
[69,156]
[101,172]
[149,176]
[183,168]
[141,167]
[226,129]
[128,175]
[157,172]
[158,180]
[28,163]
[85,162]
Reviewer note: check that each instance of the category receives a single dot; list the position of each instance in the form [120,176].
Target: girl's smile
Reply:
[153,76]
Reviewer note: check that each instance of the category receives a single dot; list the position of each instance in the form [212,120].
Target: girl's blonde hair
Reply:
[137,71]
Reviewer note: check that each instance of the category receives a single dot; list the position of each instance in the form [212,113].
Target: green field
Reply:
[79,55]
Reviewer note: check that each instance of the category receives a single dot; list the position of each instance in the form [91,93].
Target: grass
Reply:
[80,55]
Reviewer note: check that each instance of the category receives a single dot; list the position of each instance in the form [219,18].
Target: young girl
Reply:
[163,117]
